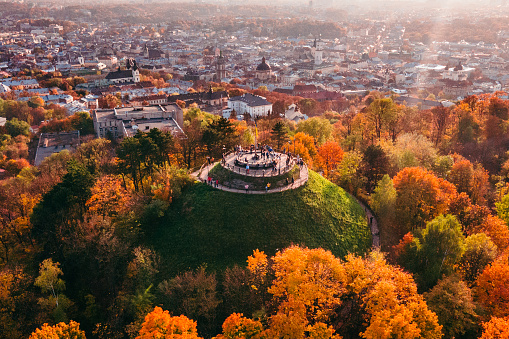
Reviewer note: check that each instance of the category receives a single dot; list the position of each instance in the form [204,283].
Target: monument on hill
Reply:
[255,171]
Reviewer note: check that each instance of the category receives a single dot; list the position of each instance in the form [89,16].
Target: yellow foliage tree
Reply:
[312,288]
[258,264]
[59,331]
[313,278]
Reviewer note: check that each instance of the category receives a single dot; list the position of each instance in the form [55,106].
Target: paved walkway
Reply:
[203,173]
[280,168]
[373,223]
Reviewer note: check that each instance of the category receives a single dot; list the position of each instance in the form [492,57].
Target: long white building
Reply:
[248,103]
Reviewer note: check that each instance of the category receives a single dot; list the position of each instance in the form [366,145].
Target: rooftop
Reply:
[251,100]
[50,143]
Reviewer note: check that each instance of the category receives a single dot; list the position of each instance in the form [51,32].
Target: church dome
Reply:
[263,66]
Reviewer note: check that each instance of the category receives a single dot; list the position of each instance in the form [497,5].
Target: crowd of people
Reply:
[264,160]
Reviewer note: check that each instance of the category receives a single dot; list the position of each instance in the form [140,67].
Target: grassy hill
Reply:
[219,229]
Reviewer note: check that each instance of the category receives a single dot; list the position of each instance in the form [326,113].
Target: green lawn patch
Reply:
[237,180]
[220,229]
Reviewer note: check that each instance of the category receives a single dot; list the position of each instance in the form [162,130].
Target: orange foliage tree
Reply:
[236,326]
[421,196]
[470,180]
[496,328]
[492,287]
[462,175]
[308,141]
[109,101]
[330,155]
[496,229]
[59,331]
[160,324]
[313,291]
[109,197]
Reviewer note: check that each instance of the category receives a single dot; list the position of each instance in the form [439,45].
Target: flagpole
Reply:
[256,136]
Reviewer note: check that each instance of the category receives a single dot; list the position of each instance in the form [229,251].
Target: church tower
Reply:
[136,72]
[318,52]
[220,67]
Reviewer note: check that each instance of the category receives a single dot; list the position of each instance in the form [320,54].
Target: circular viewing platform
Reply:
[255,172]
[258,163]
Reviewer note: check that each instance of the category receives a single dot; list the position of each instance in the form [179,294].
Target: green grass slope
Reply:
[219,229]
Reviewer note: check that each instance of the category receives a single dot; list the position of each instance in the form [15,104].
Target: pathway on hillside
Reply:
[373,223]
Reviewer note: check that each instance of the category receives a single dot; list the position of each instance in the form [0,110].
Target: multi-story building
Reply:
[253,105]
[125,122]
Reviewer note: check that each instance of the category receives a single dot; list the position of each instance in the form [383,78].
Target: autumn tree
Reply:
[168,183]
[16,304]
[190,148]
[479,252]
[55,217]
[382,299]
[452,300]
[441,117]
[307,284]
[15,127]
[109,197]
[380,113]
[382,202]
[503,208]
[82,121]
[347,173]
[410,150]
[420,197]
[493,226]
[50,282]
[35,101]
[318,293]
[492,290]
[496,328]
[279,107]
[160,324]
[319,128]
[434,250]
[96,155]
[194,295]
[109,101]
[59,331]
[375,165]
[472,181]
[304,146]
[236,326]
[461,175]
[468,128]
[307,106]
[330,155]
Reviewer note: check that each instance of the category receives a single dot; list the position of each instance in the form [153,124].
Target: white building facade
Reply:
[254,105]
